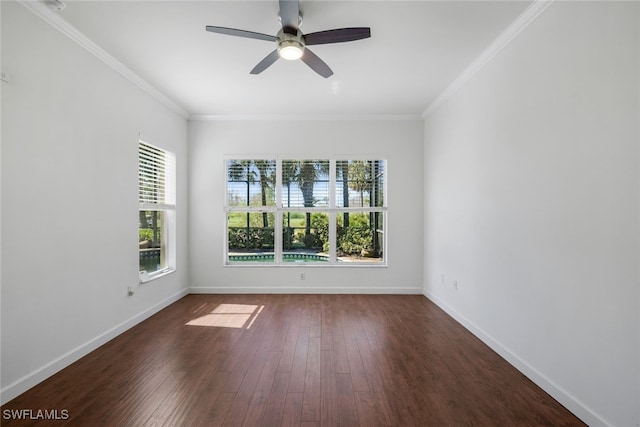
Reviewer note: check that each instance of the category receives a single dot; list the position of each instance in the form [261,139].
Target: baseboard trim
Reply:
[23,384]
[578,408]
[303,290]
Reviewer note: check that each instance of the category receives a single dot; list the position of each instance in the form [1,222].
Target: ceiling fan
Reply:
[292,43]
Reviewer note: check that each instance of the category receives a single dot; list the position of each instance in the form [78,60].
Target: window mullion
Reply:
[332,184]
[277,232]
[332,214]
[333,237]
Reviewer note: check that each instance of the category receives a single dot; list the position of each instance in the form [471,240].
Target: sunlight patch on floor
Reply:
[229,316]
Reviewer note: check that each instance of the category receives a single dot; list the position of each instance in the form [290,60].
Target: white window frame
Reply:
[164,201]
[278,210]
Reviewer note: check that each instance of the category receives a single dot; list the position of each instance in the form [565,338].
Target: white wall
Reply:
[532,205]
[400,142]
[69,201]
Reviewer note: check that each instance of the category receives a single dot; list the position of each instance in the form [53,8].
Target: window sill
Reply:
[305,264]
[146,278]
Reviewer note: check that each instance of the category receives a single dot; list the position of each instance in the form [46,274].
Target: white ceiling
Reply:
[416,50]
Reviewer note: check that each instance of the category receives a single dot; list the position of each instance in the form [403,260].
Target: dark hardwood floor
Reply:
[293,360]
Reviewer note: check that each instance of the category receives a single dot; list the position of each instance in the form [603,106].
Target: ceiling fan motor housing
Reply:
[290,46]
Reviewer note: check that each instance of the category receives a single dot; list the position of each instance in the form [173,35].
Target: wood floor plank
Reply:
[292,414]
[218,413]
[274,411]
[209,400]
[240,406]
[293,360]
[315,327]
[347,412]
[243,357]
[299,364]
[288,350]
[340,348]
[328,390]
[258,404]
[311,399]
[356,368]
[373,404]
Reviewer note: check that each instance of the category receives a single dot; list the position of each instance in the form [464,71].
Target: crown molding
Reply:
[303,117]
[53,19]
[507,36]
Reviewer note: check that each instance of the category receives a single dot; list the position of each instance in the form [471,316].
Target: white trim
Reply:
[57,22]
[278,244]
[155,207]
[304,117]
[578,408]
[26,382]
[333,222]
[502,41]
[305,290]
[155,275]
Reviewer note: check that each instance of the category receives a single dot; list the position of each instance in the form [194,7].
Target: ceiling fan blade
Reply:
[241,33]
[316,64]
[290,15]
[266,62]
[338,35]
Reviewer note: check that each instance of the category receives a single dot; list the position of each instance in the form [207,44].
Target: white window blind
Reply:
[305,183]
[360,183]
[156,177]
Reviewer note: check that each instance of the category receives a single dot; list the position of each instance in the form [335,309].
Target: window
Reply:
[305,211]
[157,198]
[251,211]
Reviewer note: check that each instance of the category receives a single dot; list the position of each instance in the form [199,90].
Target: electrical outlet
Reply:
[455,285]
[302,276]
[442,279]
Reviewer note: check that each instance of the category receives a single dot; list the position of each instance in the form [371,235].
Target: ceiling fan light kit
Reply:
[290,51]
[292,43]
[290,47]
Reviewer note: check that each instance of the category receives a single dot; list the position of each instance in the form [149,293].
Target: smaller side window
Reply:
[156,214]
